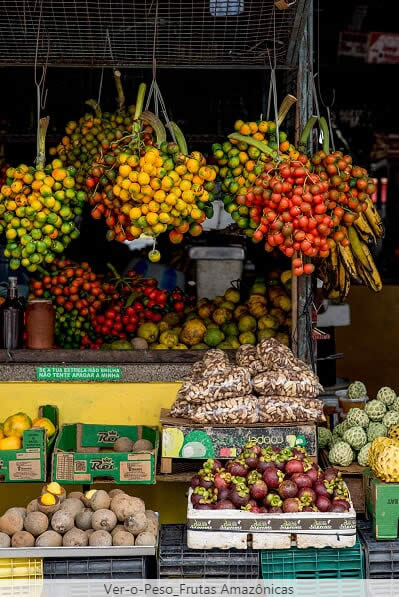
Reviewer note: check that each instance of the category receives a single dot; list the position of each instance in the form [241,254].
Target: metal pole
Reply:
[303,341]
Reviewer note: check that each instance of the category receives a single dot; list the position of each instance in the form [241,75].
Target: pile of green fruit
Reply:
[238,318]
[351,440]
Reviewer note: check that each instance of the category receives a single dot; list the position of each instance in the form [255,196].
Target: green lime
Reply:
[14,264]
[36,234]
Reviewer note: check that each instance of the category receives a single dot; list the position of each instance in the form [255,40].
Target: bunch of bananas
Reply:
[354,260]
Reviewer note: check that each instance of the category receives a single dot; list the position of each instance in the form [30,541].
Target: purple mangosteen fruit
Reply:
[253,447]
[273,477]
[275,510]
[330,474]
[195,481]
[337,508]
[223,493]
[251,459]
[224,505]
[293,466]
[264,464]
[287,489]
[272,499]
[323,503]
[207,481]
[205,506]
[301,479]
[292,505]
[237,468]
[308,509]
[222,479]
[343,503]
[258,490]
[313,473]
[321,489]
[307,494]
[299,453]
[253,476]
[239,495]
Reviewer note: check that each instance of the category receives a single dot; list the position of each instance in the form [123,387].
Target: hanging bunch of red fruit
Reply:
[290,204]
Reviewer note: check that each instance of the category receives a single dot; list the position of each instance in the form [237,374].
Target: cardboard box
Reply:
[31,461]
[183,439]
[382,504]
[84,454]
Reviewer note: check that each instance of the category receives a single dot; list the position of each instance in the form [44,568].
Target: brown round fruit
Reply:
[142,445]
[73,506]
[115,492]
[36,523]
[125,505]
[103,520]
[145,539]
[48,508]
[62,521]
[83,519]
[75,538]
[75,494]
[5,540]
[123,538]
[33,506]
[49,539]
[136,523]
[22,539]
[99,538]
[123,444]
[11,522]
[119,527]
[100,500]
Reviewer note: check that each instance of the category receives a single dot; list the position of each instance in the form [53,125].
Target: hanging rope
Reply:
[154,91]
[41,90]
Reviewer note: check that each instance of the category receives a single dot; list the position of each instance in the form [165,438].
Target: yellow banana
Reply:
[364,229]
[372,270]
[344,281]
[374,219]
[346,257]
[372,280]
[357,248]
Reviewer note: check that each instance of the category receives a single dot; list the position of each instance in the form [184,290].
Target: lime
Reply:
[14,264]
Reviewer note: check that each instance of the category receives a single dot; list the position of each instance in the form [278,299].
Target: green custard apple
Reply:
[341,454]
[375,409]
[356,437]
[357,390]
[386,395]
[375,430]
[363,456]
[357,418]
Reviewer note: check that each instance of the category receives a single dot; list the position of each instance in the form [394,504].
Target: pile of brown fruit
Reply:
[96,518]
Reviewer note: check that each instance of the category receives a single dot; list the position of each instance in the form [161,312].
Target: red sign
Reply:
[383,48]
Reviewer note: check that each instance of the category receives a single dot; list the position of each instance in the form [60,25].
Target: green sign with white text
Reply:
[78,373]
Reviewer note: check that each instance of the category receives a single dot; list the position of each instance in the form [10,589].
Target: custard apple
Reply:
[391,418]
[376,430]
[324,437]
[375,409]
[341,428]
[357,389]
[386,395]
[394,405]
[384,462]
[363,456]
[335,439]
[341,454]
[393,432]
[356,437]
[357,418]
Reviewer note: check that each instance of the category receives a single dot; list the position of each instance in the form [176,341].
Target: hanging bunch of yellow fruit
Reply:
[142,188]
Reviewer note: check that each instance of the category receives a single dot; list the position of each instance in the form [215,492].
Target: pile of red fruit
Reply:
[350,189]
[269,480]
[130,302]
[289,203]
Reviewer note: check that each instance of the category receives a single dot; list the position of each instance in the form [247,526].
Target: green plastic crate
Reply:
[314,563]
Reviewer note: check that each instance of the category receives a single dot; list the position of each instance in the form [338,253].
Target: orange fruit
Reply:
[192,165]
[245,129]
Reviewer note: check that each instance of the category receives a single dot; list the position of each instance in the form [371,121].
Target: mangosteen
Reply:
[276,449]
[287,489]
[251,459]
[264,464]
[273,477]
[239,480]
[223,493]
[253,447]
[258,490]
[198,494]
[224,505]
[205,506]
[207,481]
[252,502]
[292,505]
[279,462]
[240,495]
[237,468]
[301,479]
[313,473]
[253,476]
[321,489]
[272,499]
[268,454]
[255,510]
[212,465]
[307,496]
[222,479]
[263,510]
[323,503]
[299,453]
[337,508]
[343,503]
[286,454]
[293,466]
[275,510]
[330,474]
[195,481]
[308,509]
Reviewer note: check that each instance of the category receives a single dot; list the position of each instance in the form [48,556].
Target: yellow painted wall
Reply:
[111,403]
